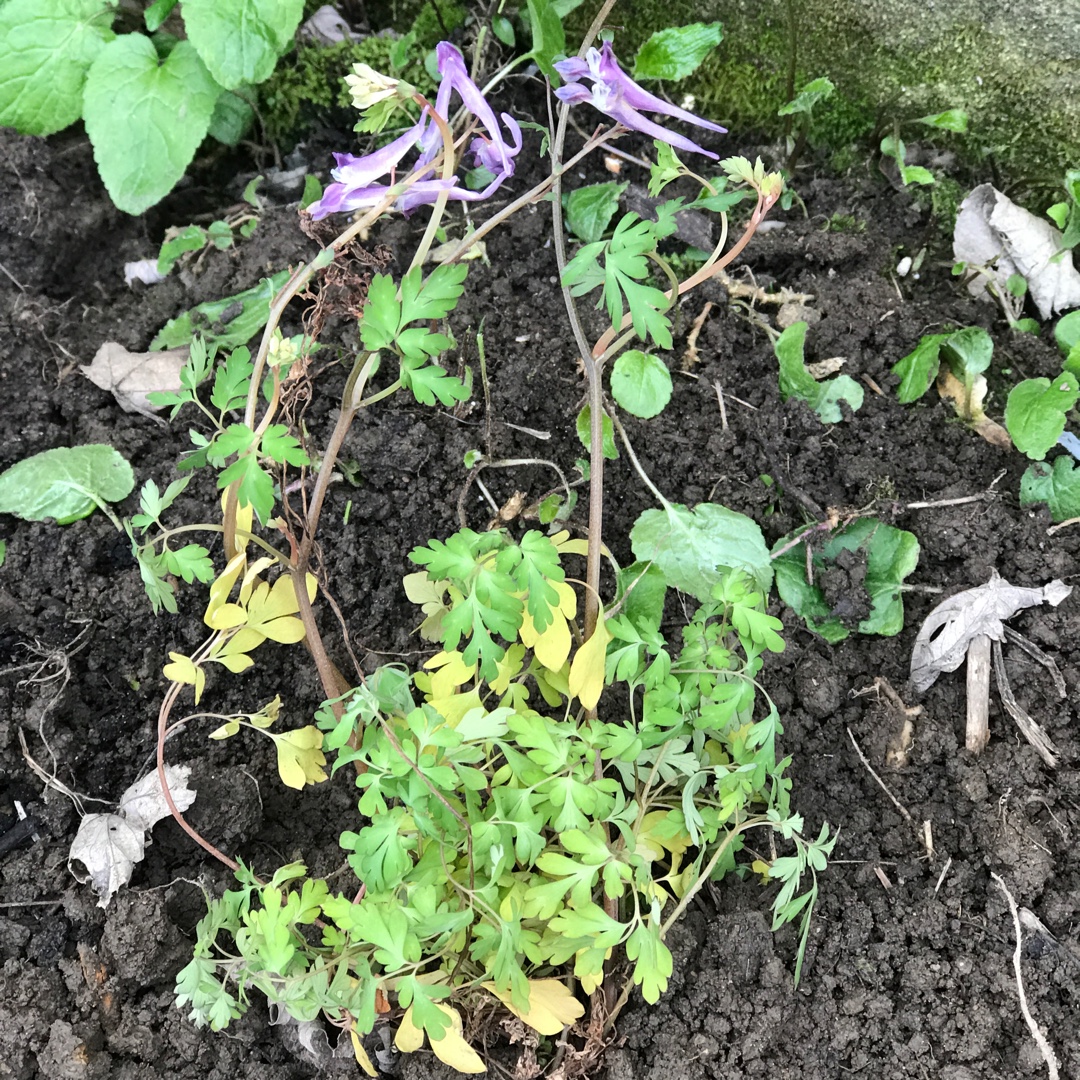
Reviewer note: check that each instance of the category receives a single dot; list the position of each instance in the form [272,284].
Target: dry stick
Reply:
[989,493]
[977,733]
[1040,657]
[1045,1048]
[881,783]
[723,409]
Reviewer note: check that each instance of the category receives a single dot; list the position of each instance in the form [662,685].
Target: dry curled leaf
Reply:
[129,376]
[943,640]
[109,845]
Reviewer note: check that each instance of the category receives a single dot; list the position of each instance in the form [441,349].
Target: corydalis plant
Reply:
[613,92]
[356,177]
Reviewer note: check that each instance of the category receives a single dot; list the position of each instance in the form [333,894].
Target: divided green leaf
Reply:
[66,483]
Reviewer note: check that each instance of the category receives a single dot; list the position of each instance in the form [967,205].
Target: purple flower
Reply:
[356,187]
[615,93]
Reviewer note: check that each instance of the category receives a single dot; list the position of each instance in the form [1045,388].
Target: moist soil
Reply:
[909,964]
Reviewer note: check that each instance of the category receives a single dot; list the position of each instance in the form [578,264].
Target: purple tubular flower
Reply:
[355,177]
[616,94]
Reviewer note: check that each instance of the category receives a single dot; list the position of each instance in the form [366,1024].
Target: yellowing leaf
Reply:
[220,588]
[507,668]
[271,611]
[551,1005]
[251,578]
[245,515]
[587,667]
[660,832]
[223,732]
[428,595]
[361,1054]
[552,647]
[591,981]
[449,671]
[565,546]
[183,669]
[268,715]
[452,1049]
[300,757]
[409,1037]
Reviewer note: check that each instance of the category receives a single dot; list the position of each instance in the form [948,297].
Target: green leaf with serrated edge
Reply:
[246,312]
[430,381]
[641,383]
[891,555]
[191,562]
[668,168]
[1058,486]
[146,118]
[584,432]
[46,49]
[190,238]
[66,483]
[548,37]
[918,370]
[589,210]
[240,40]
[692,548]
[677,51]
[805,100]
[641,591]
[382,314]
[256,485]
[534,564]
[1035,412]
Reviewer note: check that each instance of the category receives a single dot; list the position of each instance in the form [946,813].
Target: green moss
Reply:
[308,85]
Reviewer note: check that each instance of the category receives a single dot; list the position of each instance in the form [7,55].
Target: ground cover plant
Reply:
[725,969]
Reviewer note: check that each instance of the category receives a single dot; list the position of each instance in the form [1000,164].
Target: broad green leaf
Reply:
[1057,486]
[46,49]
[642,590]
[641,383]
[1067,332]
[949,120]
[503,29]
[918,370]
[232,117]
[589,210]
[66,483]
[548,37]
[795,381]
[246,315]
[240,40]
[891,555]
[693,548]
[146,118]
[805,100]
[157,13]
[1035,412]
[677,51]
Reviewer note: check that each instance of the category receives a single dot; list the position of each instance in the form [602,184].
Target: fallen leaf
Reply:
[822,369]
[995,234]
[129,376]
[109,845]
[950,388]
[943,639]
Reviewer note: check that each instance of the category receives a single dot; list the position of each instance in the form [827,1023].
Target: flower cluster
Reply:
[357,178]
[613,92]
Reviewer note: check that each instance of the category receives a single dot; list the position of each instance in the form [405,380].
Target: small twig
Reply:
[14,280]
[941,876]
[1040,657]
[881,783]
[989,493]
[690,356]
[723,409]
[1045,1048]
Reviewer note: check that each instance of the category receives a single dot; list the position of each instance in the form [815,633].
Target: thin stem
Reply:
[638,468]
[449,165]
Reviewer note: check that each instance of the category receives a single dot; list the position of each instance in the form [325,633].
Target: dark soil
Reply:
[909,967]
